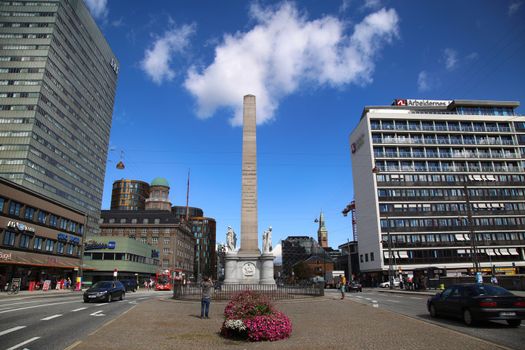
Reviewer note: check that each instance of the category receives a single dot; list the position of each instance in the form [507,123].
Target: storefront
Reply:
[40,239]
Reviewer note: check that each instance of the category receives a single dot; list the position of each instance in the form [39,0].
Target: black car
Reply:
[105,291]
[130,285]
[354,287]
[478,302]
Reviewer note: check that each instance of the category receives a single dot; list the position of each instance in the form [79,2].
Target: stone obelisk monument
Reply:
[248,265]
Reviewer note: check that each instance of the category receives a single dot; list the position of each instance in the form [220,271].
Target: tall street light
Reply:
[345,211]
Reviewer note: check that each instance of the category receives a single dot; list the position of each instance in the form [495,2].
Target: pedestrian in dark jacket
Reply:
[207,288]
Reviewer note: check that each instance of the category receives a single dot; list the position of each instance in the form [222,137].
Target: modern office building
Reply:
[204,231]
[440,184]
[58,77]
[129,195]
[40,238]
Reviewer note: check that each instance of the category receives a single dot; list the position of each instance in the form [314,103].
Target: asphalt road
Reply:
[414,306]
[59,321]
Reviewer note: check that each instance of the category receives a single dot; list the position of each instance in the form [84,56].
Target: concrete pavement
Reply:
[318,323]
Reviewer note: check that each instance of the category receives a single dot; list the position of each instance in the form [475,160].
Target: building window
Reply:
[122,221]
[37,245]
[165,263]
[133,221]
[60,248]
[53,220]
[144,240]
[14,208]
[63,224]
[166,240]
[9,238]
[154,240]
[145,221]
[2,202]
[50,245]
[69,249]
[42,216]
[24,241]
[361,257]
[371,256]
[366,257]
[166,250]
[29,213]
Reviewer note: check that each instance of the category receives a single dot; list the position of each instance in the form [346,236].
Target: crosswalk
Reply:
[95,310]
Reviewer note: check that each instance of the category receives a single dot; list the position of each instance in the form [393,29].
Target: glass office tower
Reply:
[58,77]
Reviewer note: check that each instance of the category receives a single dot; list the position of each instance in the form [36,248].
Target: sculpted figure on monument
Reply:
[267,240]
[231,239]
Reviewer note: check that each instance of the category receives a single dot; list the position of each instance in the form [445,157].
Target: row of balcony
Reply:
[489,155]
[452,259]
[452,228]
[458,128]
[466,244]
[443,141]
[433,213]
[399,182]
[453,168]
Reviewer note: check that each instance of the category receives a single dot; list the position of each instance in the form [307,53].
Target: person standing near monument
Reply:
[206,287]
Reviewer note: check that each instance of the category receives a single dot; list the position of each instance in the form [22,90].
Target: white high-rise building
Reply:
[429,175]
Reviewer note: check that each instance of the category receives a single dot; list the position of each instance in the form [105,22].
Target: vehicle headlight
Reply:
[102,293]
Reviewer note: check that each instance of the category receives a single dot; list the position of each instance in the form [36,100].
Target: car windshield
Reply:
[102,285]
[491,290]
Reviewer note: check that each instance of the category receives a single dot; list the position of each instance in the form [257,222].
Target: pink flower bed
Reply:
[250,315]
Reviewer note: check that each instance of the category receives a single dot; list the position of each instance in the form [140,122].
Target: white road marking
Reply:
[374,301]
[375,305]
[97,313]
[50,317]
[35,306]
[23,343]
[392,301]
[418,298]
[14,329]
[368,298]
[79,309]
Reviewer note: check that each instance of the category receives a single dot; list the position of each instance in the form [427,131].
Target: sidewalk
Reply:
[318,323]
[39,293]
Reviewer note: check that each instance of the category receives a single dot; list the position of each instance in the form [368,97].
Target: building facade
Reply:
[204,231]
[129,195]
[299,248]
[40,238]
[440,184]
[167,235]
[58,77]
[159,192]
[131,259]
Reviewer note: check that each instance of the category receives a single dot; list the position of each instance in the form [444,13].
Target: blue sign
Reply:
[154,253]
[62,237]
[111,245]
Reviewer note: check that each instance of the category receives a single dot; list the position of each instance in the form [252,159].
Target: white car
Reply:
[387,284]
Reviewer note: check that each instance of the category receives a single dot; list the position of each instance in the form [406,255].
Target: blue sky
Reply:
[313,65]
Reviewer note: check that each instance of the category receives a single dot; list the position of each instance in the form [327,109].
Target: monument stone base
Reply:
[241,269]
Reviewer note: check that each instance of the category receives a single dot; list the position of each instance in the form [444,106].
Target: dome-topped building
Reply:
[159,192]
[160,181]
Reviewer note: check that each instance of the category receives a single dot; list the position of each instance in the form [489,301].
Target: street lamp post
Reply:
[350,274]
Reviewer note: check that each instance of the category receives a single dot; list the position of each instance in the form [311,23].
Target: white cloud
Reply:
[514,7]
[284,52]
[451,58]
[157,58]
[372,4]
[345,5]
[98,8]
[423,83]
[277,251]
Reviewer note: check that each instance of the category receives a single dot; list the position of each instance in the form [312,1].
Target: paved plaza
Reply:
[318,323]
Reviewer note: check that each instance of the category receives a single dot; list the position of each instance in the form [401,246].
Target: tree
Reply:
[303,271]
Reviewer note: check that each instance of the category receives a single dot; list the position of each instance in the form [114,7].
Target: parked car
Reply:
[387,283]
[130,285]
[354,287]
[478,302]
[105,291]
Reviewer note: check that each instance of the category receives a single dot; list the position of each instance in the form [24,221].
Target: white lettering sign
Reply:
[422,103]
[20,226]
[5,256]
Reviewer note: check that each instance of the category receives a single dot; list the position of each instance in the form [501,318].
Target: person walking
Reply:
[206,287]
[343,286]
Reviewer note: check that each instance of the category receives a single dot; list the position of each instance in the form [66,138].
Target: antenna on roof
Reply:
[188,197]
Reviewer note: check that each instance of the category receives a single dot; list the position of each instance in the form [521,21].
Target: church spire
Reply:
[322,232]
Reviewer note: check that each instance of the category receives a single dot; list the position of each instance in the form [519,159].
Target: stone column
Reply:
[249,237]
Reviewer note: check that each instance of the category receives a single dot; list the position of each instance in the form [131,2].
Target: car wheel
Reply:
[467,317]
[514,323]
[122,296]
[432,310]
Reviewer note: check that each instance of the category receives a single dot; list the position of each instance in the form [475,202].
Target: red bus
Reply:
[164,279]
